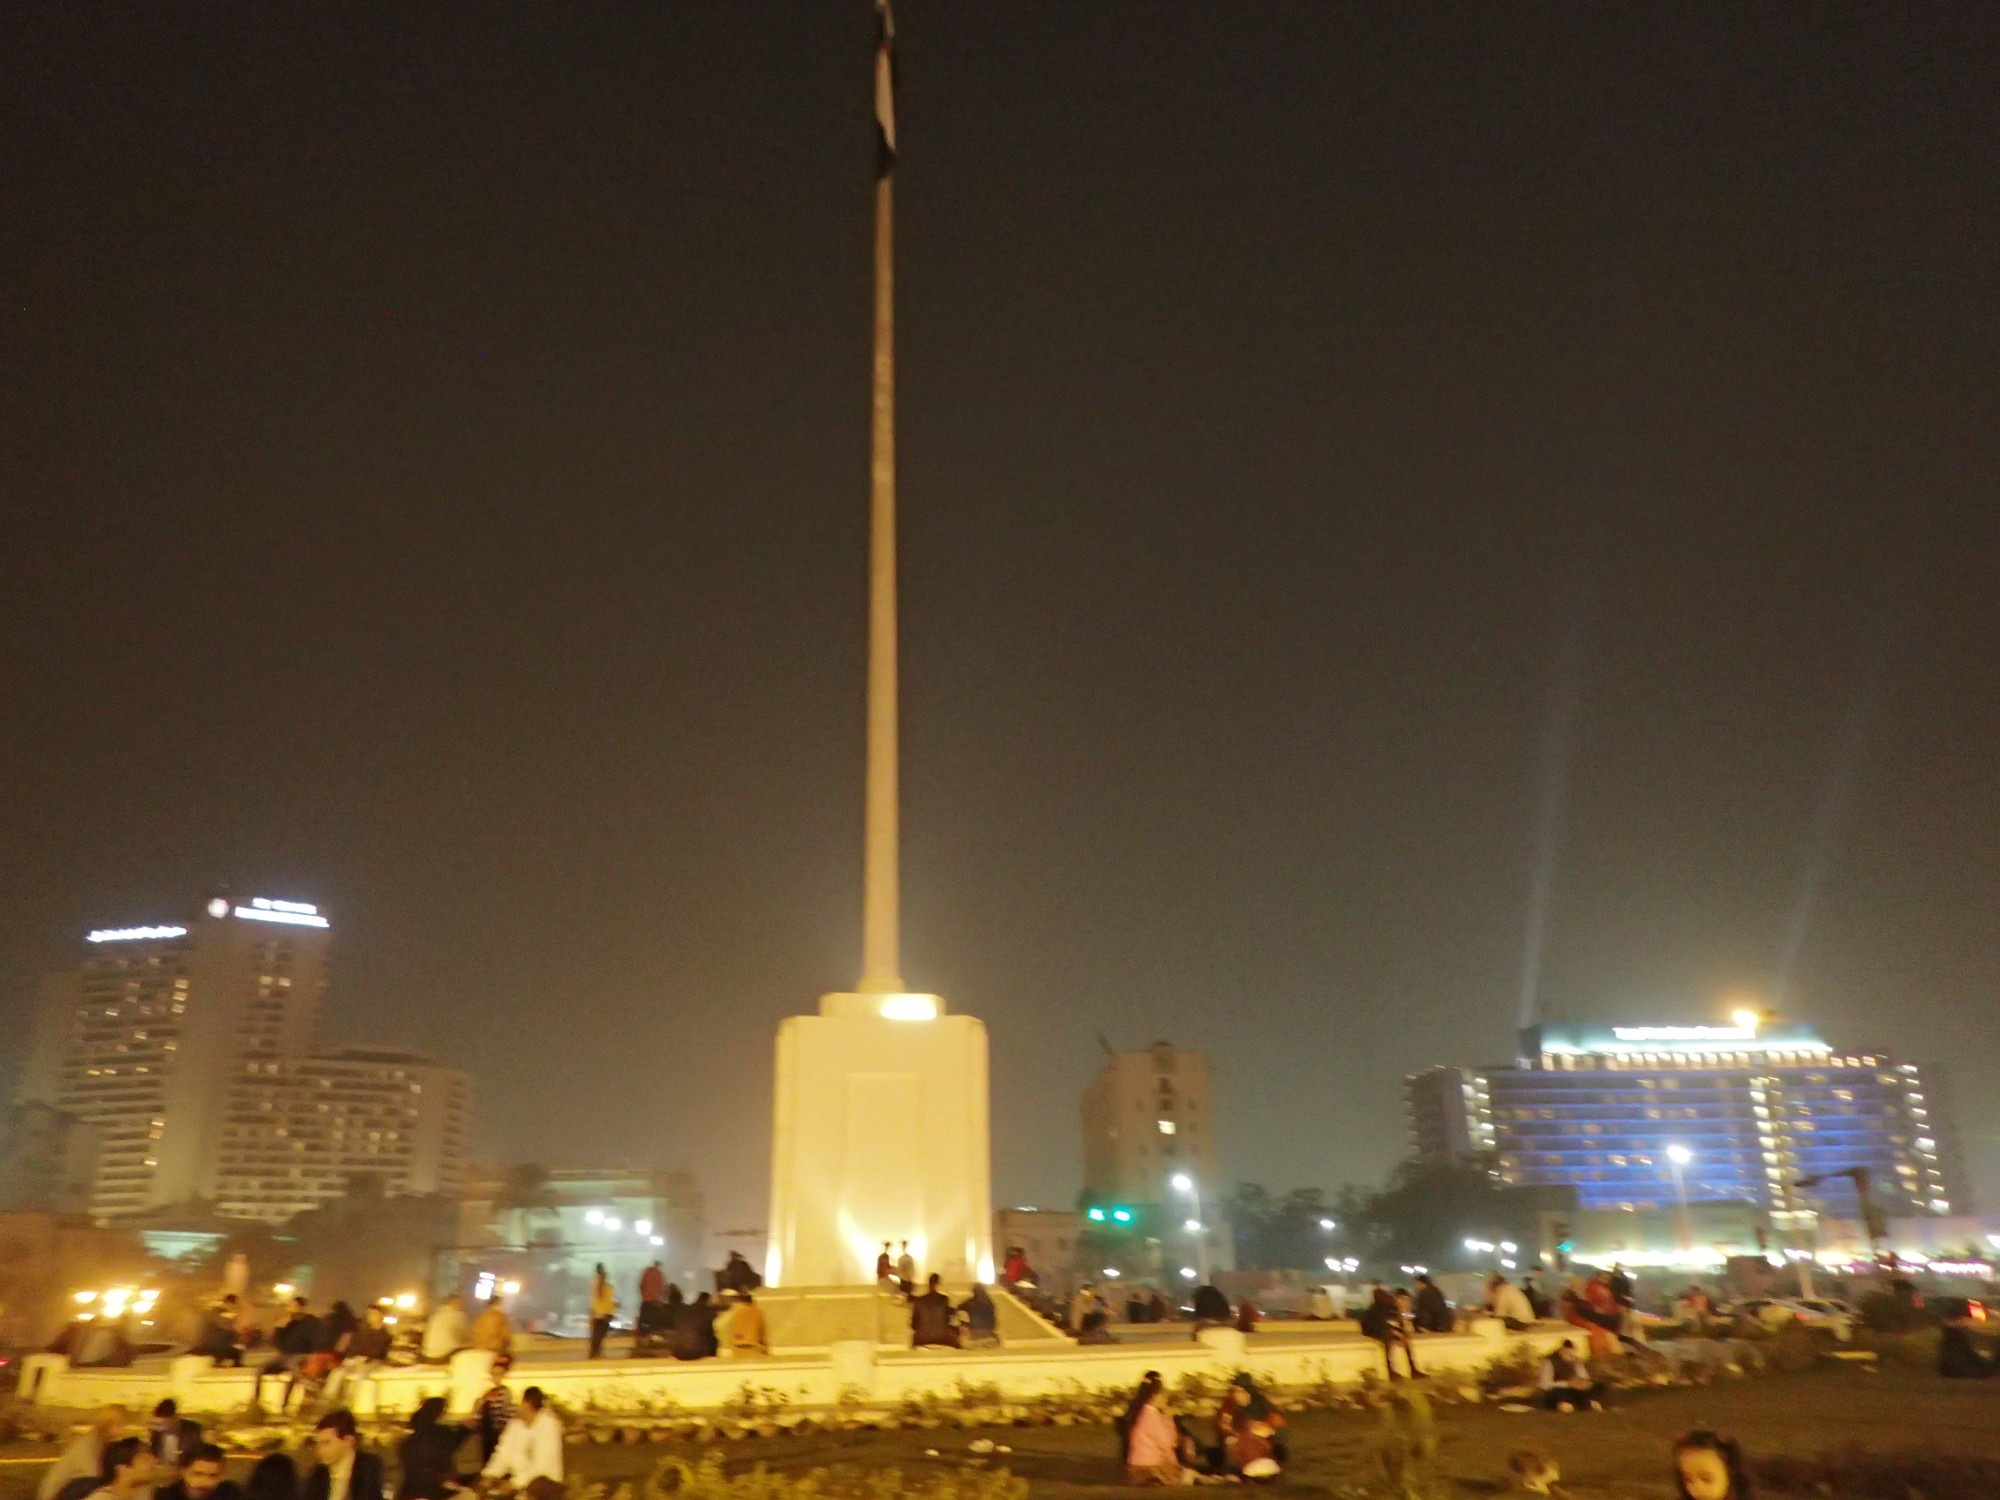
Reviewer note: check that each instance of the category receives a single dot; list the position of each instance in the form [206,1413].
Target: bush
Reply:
[676,1479]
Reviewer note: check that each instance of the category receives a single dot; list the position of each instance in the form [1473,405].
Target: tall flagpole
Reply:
[881,901]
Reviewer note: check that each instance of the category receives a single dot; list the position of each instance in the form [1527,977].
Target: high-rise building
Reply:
[187,1050]
[1633,1117]
[1148,1118]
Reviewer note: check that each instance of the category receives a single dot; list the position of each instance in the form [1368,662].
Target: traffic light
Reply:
[1098,1213]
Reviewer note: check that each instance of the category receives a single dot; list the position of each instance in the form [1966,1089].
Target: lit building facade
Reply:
[1632,1117]
[1148,1118]
[186,1049]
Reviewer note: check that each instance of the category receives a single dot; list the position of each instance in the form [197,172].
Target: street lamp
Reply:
[1181,1182]
[1678,1156]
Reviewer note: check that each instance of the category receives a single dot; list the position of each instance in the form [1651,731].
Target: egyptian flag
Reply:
[885,89]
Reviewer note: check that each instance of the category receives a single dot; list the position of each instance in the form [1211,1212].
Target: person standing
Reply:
[530,1455]
[906,1270]
[652,1284]
[494,1410]
[84,1458]
[885,1268]
[343,1471]
[603,1303]
[129,1471]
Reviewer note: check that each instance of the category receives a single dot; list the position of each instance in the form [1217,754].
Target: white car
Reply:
[1815,1312]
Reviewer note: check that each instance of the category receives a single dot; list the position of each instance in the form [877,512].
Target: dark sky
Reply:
[434,476]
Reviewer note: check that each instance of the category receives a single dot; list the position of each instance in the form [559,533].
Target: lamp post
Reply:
[1181,1182]
[1678,1157]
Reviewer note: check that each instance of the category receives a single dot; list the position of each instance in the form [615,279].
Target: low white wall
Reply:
[855,1371]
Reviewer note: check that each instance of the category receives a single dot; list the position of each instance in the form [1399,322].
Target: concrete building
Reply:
[48,1161]
[1632,1116]
[300,1129]
[1149,1117]
[879,1133]
[186,1048]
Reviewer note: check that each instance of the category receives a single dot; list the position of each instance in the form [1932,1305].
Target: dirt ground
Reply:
[1619,1454]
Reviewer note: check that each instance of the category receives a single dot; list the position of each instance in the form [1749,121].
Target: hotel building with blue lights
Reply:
[1748,1109]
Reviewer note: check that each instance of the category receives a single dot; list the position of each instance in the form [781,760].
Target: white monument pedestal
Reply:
[880,1133]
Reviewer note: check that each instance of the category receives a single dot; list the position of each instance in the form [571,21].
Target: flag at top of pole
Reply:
[885,89]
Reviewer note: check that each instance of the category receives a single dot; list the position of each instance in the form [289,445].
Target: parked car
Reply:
[1829,1313]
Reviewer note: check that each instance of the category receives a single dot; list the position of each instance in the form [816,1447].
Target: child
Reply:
[1709,1466]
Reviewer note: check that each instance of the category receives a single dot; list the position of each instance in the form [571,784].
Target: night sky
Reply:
[435,487]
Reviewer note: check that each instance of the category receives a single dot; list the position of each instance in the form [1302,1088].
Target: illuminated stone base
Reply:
[879,1134]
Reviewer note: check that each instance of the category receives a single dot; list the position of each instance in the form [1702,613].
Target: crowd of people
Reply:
[519,1447]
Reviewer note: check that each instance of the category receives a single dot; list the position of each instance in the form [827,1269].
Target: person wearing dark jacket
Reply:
[982,1317]
[1383,1321]
[201,1477]
[695,1334]
[428,1457]
[172,1437]
[274,1478]
[930,1319]
[1432,1313]
[494,1410]
[1210,1306]
[298,1336]
[343,1472]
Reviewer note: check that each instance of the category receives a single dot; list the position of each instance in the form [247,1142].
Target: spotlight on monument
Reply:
[909,1008]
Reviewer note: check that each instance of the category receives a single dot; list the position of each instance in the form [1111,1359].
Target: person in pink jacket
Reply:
[1152,1441]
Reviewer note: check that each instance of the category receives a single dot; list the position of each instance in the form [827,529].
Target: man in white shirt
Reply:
[446,1331]
[530,1455]
[1509,1304]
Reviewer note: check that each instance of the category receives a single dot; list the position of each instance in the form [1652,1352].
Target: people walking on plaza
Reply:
[749,1338]
[446,1331]
[906,1270]
[494,1409]
[1566,1382]
[275,1477]
[1509,1304]
[1709,1466]
[1431,1314]
[931,1325]
[201,1477]
[492,1331]
[82,1462]
[1383,1321]
[603,1303]
[128,1471]
[981,1317]
[530,1455]
[343,1470]
[1247,1431]
[428,1457]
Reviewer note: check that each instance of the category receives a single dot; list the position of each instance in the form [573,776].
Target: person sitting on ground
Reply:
[530,1455]
[1709,1466]
[981,1317]
[1432,1313]
[1509,1304]
[428,1457]
[128,1472]
[275,1477]
[931,1326]
[491,1330]
[1150,1438]
[343,1471]
[1247,1428]
[495,1409]
[81,1466]
[749,1337]
[446,1331]
[201,1477]
[1566,1381]
[1383,1321]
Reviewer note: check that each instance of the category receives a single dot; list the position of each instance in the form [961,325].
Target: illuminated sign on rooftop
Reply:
[297,913]
[1630,1041]
[132,934]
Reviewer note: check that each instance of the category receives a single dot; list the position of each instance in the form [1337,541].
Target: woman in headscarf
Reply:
[429,1455]
[1246,1430]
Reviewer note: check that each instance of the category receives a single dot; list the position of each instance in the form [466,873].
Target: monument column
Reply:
[880,1132]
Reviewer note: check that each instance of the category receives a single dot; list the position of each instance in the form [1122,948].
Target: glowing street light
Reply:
[1182,1182]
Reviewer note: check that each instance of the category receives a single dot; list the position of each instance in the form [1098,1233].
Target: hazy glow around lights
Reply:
[910,1008]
